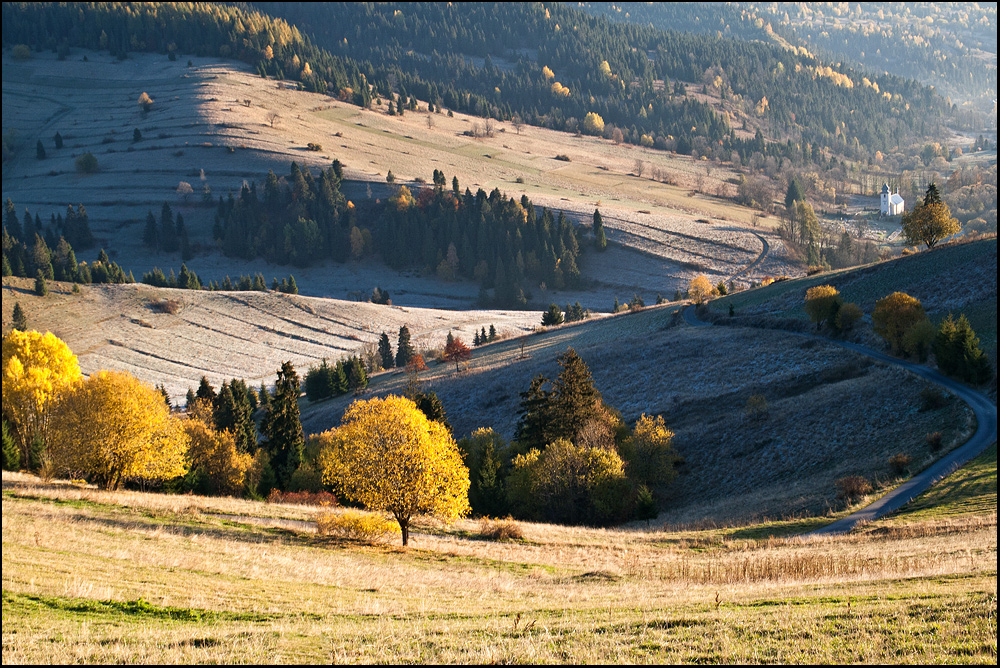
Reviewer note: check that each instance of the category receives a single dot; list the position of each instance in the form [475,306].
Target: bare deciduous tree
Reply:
[272,116]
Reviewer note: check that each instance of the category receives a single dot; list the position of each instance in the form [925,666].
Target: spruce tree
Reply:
[576,398]
[534,424]
[40,150]
[263,396]
[282,428]
[11,453]
[385,352]
[19,321]
[404,349]
[58,140]
[357,379]
[600,238]
[189,399]
[430,405]
[554,316]
[493,333]
[41,289]
[483,336]
[205,391]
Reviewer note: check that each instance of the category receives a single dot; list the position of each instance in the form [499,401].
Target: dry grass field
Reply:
[99,577]
[225,335]
[200,126]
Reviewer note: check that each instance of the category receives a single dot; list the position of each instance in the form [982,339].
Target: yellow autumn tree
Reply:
[593,124]
[388,456]
[700,289]
[112,427]
[216,455]
[823,302]
[649,452]
[894,316]
[37,370]
[547,73]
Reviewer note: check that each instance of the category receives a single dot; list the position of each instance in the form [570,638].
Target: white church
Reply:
[892,203]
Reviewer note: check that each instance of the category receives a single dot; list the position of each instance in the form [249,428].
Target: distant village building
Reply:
[892,203]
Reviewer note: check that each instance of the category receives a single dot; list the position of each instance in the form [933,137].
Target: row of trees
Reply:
[901,321]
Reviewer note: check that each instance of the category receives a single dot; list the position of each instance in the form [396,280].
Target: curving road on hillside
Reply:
[986,435]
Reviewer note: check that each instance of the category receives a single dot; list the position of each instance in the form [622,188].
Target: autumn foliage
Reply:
[894,316]
[113,427]
[387,455]
[37,370]
[823,302]
[215,455]
[700,289]
[456,351]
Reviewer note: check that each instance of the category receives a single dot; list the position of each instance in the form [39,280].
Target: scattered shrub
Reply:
[171,306]
[934,440]
[899,462]
[500,529]
[563,157]
[931,399]
[756,407]
[848,315]
[311,146]
[852,487]
[519,179]
[87,163]
[356,525]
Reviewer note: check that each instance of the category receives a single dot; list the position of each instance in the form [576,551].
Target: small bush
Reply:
[500,529]
[756,408]
[519,179]
[563,157]
[171,306]
[852,487]
[87,164]
[302,498]
[356,525]
[900,462]
[314,147]
[934,440]
[931,399]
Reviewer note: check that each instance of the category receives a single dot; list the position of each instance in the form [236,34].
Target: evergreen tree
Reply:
[575,397]
[357,379]
[205,391]
[475,340]
[493,333]
[385,352]
[168,233]
[534,427]
[404,349]
[793,194]
[189,399]
[553,316]
[431,406]
[162,389]
[40,150]
[58,140]
[19,321]
[282,428]
[40,288]
[645,505]
[264,396]
[11,453]
[600,238]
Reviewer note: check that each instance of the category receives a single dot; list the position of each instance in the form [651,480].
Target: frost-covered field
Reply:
[225,335]
[212,125]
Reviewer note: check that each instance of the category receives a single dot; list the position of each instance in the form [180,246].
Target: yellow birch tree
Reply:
[37,369]
[388,456]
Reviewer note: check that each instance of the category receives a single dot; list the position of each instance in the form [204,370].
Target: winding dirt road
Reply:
[986,435]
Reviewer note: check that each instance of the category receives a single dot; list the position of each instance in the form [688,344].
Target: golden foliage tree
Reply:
[216,454]
[822,304]
[37,370]
[112,427]
[930,221]
[700,289]
[388,456]
[896,315]
[649,452]
[593,124]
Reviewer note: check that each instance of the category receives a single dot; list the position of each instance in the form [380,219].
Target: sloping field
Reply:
[955,278]
[214,119]
[830,413]
[225,335]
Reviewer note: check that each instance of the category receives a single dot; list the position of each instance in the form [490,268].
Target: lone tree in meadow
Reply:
[600,238]
[19,320]
[930,221]
[554,316]
[456,351]
[145,102]
[388,456]
[404,349]
[700,289]
[385,352]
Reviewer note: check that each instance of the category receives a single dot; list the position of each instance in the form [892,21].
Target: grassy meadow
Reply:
[91,576]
